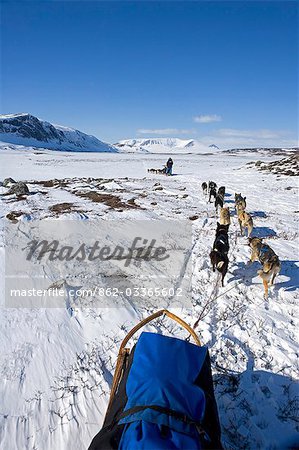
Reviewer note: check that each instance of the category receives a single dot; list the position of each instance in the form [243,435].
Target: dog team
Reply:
[259,250]
[167,169]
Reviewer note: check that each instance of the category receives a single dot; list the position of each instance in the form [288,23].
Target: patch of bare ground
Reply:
[113,201]
[13,215]
[61,208]
[286,166]
[66,182]
[53,183]
[103,180]
[19,198]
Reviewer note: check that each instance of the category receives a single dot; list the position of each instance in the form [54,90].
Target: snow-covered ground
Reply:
[57,365]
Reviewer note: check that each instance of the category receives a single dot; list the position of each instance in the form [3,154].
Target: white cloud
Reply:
[164,131]
[207,118]
[234,138]
[258,134]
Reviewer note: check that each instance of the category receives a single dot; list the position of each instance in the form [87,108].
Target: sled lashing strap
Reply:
[164,406]
[161,409]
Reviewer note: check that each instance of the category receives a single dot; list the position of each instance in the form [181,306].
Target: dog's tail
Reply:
[216,259]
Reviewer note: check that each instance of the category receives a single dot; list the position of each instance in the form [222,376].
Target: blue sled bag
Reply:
[162,396]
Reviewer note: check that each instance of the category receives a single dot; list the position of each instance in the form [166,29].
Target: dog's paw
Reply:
[266,304]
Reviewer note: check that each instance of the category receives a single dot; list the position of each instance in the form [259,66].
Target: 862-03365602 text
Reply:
[100,291]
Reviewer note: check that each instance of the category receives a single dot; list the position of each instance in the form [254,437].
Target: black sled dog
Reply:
[219,200]
[218,255]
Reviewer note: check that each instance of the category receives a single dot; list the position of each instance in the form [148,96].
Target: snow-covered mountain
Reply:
[163,145]
[25,129]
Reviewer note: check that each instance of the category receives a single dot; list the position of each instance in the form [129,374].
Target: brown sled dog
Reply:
[245,221]
[240,202]
[265,255]
[224,216]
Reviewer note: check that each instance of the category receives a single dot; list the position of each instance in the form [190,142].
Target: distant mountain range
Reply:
[163,145]
[25,129]
[29,131]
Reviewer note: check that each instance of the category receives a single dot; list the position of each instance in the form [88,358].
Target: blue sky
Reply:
[222,72]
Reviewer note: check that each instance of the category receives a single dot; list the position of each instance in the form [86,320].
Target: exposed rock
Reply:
[8,181]
[18,188]
[286,166]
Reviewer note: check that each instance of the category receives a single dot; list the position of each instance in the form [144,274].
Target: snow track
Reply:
[56,365]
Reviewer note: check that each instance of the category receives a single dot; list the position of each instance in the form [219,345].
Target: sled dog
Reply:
[267,257]
[204,187]
[218,255]
[221,191]
[245,221]
[157,170]
[219,201]
[212,184]
[240,202]
[212,193]
[224,216]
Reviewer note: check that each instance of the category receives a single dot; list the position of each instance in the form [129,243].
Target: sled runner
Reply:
[162,395]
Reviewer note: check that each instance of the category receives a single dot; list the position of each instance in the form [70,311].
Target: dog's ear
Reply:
[244,198]
[218,225]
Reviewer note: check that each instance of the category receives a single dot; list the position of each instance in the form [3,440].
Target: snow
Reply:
[164,145]
[57,364]
[13,116]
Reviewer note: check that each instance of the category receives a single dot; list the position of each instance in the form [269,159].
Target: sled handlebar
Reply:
[162,312]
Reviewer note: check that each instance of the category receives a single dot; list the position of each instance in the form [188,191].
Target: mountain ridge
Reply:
[160,145]
[26,129]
